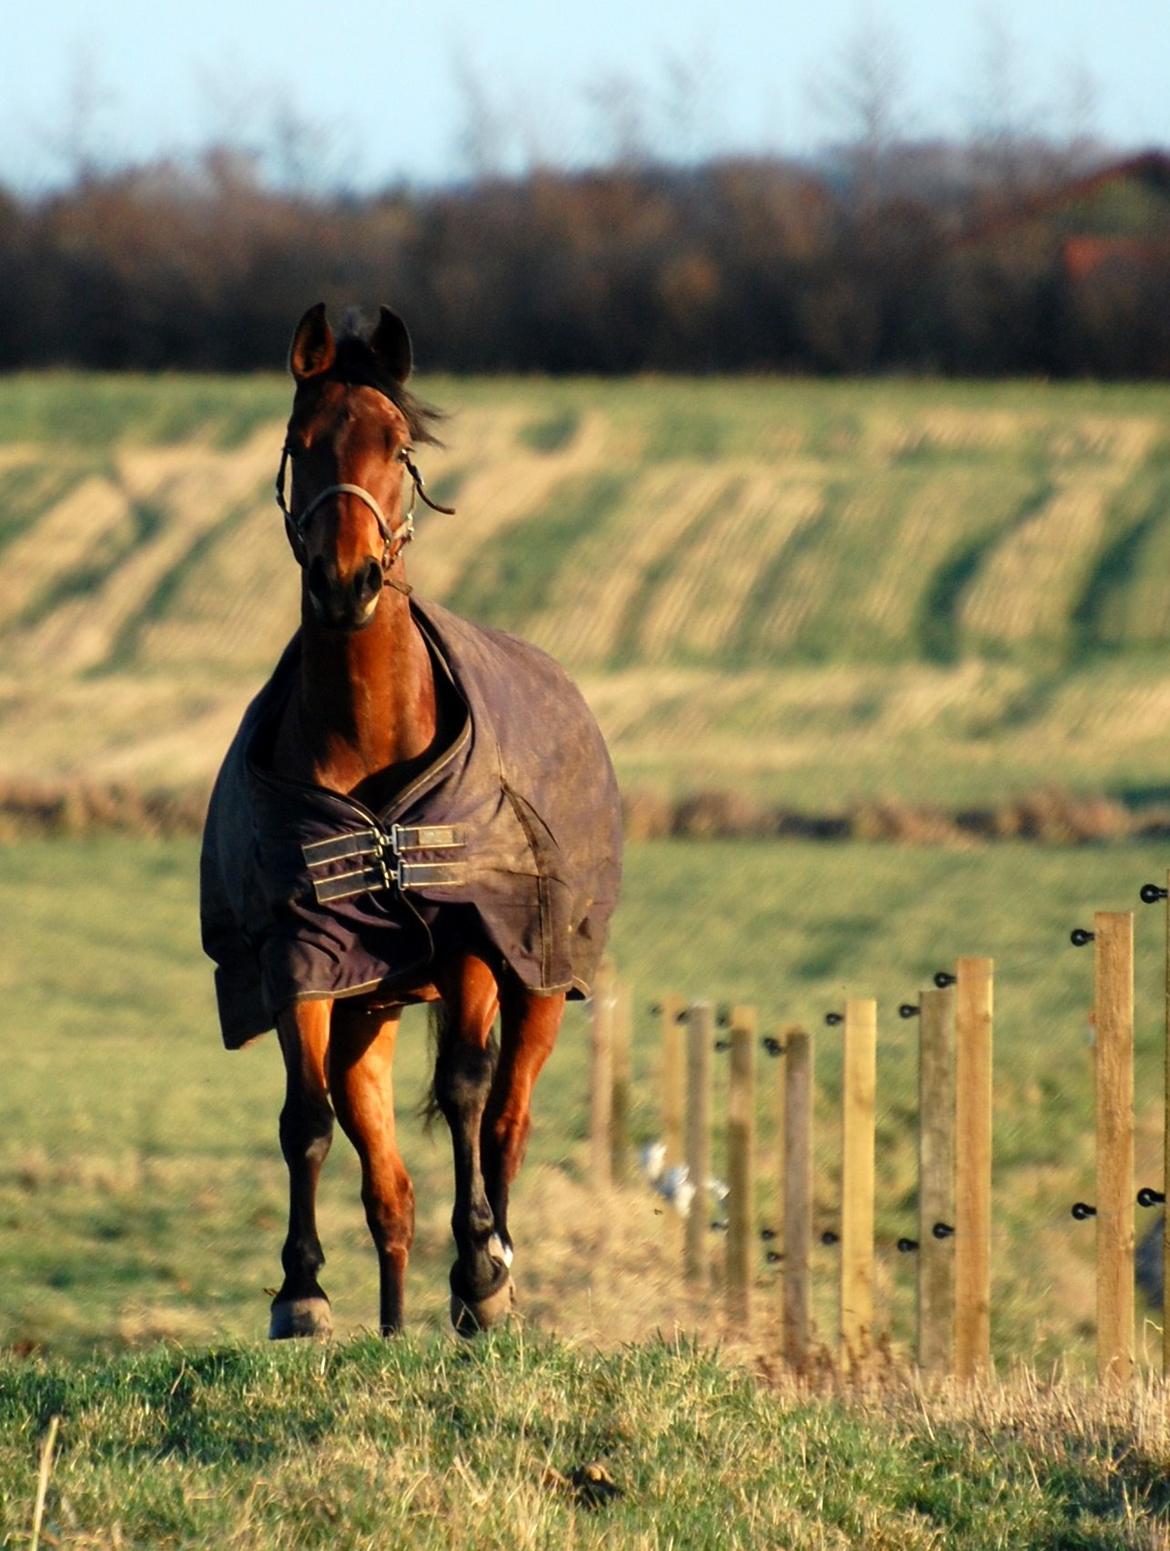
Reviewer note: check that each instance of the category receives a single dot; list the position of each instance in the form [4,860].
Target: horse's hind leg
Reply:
[301,1308]
[361,1054]
[529,1026]
[481,1288]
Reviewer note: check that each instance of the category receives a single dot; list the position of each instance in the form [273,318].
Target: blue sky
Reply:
[380,82]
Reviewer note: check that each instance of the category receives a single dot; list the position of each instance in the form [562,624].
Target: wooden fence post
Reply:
[858,1081]
[1166,1161]
[1113,1018]
[936,1181]
[973,1054]
[798,1198]
[741,1176]
[700,1044]
[674,1080]
[619,1125]
[601,1078]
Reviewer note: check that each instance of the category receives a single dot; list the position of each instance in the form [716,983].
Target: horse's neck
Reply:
[365,710]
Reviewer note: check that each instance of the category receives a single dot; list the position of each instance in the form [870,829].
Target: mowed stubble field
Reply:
[812,592]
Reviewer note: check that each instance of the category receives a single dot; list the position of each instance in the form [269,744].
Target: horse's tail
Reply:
[438,1023]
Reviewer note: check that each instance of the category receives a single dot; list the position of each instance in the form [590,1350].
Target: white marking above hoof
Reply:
[301,1318]
[500,1250]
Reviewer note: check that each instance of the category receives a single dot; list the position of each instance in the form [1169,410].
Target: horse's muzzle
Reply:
[343,604]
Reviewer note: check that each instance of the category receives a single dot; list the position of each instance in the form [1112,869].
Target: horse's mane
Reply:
[356,364]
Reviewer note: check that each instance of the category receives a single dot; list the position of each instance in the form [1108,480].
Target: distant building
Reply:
[1094,255]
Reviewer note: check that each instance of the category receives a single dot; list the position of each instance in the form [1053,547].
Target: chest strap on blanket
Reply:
[373,859]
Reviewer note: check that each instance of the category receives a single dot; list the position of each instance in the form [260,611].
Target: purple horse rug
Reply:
[307,893]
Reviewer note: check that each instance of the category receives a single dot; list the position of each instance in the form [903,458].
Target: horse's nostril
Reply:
[368,582]
[316,580]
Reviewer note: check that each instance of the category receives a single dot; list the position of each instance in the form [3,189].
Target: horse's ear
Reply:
[390,342]
[313,347]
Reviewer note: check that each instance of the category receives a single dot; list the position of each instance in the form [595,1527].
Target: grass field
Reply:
[427,1444]
[142,1194]
[813,590]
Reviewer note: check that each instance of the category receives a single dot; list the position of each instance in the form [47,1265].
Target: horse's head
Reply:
[349,442]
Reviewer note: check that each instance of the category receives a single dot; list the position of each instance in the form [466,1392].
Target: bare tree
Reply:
[862,96]
[618,108]
[82,138]
[687,107]
[1075,119]
[1003,117]
[481,138]
[302,154]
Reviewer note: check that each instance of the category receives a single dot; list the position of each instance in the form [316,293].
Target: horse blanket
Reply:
[307,893]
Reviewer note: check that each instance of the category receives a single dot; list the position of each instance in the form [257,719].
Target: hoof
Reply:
[304,1317]
[469,1316]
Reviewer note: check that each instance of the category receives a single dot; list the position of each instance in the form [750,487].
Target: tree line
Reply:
[733,265]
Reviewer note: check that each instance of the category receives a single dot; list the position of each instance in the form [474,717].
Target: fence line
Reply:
[700,1045]
[798,1195]
[955,1066]
[858,1099]
[973,1029]
[936,1180]
[1113,1025]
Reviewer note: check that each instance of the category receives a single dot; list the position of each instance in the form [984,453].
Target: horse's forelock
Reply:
[356,364]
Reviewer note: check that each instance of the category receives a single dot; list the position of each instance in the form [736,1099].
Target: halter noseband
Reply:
[393,542]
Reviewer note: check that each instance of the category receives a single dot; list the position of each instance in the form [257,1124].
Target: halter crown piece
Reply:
[393,542]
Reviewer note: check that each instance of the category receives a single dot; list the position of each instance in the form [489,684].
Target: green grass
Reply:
[429,1444]
[141,1188]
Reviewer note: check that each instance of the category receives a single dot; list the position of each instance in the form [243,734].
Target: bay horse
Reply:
[415,809]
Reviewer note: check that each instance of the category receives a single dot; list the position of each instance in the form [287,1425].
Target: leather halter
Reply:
[393,541]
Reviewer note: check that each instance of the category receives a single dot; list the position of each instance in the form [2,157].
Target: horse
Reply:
[415,809]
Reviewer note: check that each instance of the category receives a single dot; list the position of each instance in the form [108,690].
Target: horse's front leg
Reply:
[361,1056]
[528,1030]
[481,1288]
[301,1308]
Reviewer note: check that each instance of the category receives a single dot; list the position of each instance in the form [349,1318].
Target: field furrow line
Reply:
[1028,582]
[495,494]
[592,595]
[176,495]
[701,611]
[67,541]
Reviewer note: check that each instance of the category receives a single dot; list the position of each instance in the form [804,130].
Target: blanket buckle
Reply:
[384,860]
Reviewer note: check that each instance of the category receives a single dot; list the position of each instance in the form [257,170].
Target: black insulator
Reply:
[722,1044]
[1151,894]
[723,1018]
[774,1257]
[834,1018]
[719,1225]
[1147,1196]
[830,1237]
[767,1233]
[907,1246]
[942,1230]
[943,979]
[1082,1209]
[908,1010]
[681,1017]
[772,1045]
[1079,937]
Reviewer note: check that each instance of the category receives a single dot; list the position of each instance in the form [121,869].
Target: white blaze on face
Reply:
[499,1250]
